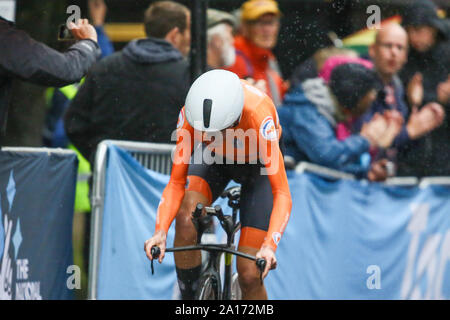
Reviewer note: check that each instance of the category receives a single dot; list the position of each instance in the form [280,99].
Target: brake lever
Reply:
[155,254]
[151,266]
[261,264]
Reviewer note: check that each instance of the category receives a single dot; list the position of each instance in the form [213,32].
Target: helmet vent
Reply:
[207,106]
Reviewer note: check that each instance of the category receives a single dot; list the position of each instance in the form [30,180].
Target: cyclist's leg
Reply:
[256,207]
[205,183]
[188,263]
[249,276]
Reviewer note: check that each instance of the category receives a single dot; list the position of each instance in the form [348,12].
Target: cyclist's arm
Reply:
[282,203]
[174,192]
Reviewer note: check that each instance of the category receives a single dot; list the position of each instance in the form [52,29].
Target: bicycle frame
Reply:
[228,223]
[230,227]
[213,263]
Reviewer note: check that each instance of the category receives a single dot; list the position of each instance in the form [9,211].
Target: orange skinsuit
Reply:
[259,114]
[255,62]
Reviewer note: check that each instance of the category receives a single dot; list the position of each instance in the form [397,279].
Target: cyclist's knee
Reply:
[183,219]
[184,228]
[248,276]
[187,206]
[183,223]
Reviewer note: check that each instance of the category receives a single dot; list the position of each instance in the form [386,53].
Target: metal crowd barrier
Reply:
[393,181]
[157,157]
[37,150]
[154,156]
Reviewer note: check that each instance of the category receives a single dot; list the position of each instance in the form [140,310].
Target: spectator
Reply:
[136,94]
[260,24]
[58,100]
[310,68]
[220,52]
[97,11]
[54,136]
[426,77]
[336,60]
[389,53]
[312,110]
[23,58]
[429,52]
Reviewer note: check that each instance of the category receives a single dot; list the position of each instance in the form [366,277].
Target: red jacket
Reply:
[258,63]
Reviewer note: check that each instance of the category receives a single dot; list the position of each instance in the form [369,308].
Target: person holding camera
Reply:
[23,58]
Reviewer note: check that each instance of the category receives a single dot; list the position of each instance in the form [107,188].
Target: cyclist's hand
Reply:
[268,254]
[159,240]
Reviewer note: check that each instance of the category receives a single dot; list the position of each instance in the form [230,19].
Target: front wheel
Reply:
[236,293]
[208,288]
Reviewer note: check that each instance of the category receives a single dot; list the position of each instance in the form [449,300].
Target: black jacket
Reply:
[24,58]
[135,94]
[434,66]
[429,155]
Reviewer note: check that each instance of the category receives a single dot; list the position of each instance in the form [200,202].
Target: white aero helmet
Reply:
[214,101]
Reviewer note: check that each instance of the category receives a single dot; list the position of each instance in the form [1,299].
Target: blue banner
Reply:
[355,240]
[345,239]
[37,197]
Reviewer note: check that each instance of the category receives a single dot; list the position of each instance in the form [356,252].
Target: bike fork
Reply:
[227,276]
[213,267]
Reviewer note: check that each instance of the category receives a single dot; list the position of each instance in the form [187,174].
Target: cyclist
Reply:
[232,132]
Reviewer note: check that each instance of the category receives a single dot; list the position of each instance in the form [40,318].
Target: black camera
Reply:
[64,34]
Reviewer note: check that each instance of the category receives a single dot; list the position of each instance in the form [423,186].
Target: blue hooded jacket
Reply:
[308,118]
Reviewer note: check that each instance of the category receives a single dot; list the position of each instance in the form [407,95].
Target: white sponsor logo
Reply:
[425,261]
[14,272]
[276,236]
[268,129]
[6,271]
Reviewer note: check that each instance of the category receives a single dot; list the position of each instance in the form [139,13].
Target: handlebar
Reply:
[234,197]
[198,210]
[155,252]
[232,193]
[260,262]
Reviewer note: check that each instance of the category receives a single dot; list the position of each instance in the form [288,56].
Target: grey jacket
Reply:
[26,59]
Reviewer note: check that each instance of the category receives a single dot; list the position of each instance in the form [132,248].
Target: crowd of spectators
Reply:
[403,122]
[258,35]
[426,75]
[358,114]
[136,93]
[340,110]
[363,115]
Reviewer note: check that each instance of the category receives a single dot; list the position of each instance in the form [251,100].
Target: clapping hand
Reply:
[443,91]
[415,90]
[425,120]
